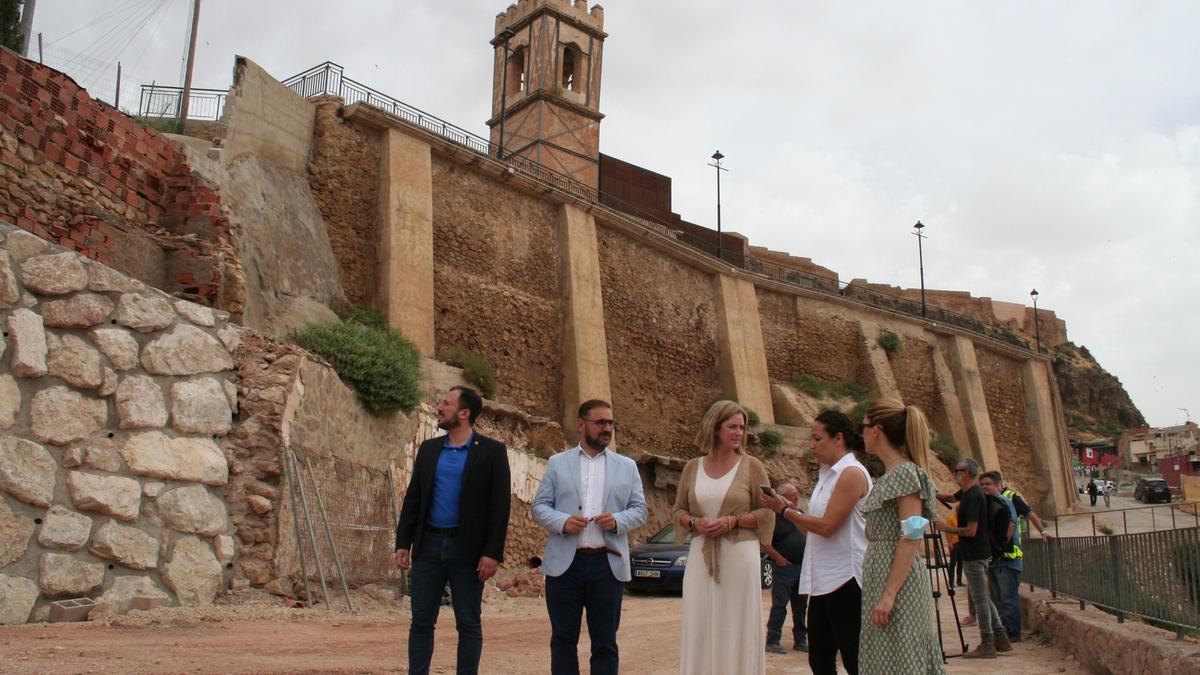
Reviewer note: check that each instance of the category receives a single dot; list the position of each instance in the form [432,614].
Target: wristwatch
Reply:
[692,523]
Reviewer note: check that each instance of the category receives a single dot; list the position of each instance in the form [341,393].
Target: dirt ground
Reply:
[257,634]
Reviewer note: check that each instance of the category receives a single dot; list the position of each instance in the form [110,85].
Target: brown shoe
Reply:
[984,651]
[1003,644]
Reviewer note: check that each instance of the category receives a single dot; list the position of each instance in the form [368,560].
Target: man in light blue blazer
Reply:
[589,499]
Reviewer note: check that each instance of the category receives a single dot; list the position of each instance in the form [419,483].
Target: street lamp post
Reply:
[717,157]
[507,35]
[1037,328]
[917,230]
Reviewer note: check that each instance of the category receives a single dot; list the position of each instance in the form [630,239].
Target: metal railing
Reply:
[1177,515]
[203,104]
[329,79]
[1154,575]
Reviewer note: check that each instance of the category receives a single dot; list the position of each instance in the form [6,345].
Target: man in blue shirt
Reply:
[452,528]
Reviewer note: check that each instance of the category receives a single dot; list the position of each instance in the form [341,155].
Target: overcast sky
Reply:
[1048,145]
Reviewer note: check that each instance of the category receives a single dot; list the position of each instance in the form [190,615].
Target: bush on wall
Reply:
[382,365]
[889,342]
[476,369]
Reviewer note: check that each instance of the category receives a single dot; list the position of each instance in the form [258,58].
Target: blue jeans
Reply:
[985,612]
[1006,593]
[784,592]
[435,562]
[588,584]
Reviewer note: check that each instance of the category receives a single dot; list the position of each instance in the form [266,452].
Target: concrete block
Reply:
[144,602]
[75,609]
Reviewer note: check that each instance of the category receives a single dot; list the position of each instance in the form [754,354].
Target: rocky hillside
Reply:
[1095,402]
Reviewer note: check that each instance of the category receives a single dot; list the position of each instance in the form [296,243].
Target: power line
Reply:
[93,22]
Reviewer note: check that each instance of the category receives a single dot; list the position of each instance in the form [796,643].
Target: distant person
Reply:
[833,559]
[589,499]
[1092,490]
[718,502]
[454,520]
[899,632]
[1025,513]
[786,551]
[976,548]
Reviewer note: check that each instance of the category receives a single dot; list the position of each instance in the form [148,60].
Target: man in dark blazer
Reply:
[454,520]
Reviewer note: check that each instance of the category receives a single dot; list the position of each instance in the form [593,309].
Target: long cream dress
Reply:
[723,628]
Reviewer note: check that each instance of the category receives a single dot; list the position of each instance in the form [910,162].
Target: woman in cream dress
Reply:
[723,630]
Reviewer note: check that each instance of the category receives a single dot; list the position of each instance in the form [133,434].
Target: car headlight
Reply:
[681,561]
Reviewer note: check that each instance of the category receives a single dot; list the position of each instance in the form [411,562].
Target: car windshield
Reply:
[666,536]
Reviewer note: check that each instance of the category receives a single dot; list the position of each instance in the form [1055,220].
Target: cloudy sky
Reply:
[1048,145]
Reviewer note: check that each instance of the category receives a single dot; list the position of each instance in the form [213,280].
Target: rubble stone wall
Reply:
[661,329]
[112,396]
[344,176]
[1003,389]
[496,283]
[827,344]
[914,373]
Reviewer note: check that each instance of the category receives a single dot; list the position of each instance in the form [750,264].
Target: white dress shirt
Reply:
[591,487]
[829,562]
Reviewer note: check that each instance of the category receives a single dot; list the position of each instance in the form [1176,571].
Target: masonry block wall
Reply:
[79,173]
[112,396]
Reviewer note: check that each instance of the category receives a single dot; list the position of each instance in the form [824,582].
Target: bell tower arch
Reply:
[546,85]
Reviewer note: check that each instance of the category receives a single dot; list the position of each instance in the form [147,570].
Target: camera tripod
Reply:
[938,564]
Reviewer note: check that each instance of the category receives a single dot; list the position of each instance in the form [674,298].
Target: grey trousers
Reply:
[985,610]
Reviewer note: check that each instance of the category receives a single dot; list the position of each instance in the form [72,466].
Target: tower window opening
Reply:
[516,71]
[572,68]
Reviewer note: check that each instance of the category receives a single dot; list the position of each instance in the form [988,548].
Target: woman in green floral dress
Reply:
[898,630]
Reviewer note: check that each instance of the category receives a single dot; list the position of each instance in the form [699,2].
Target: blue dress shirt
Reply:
[447,483]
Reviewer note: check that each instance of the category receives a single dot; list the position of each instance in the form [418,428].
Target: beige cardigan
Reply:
[741,498]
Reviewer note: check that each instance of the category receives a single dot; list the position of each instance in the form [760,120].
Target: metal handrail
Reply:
[328,79]
[1172,507]
[1154,575]
[160,101]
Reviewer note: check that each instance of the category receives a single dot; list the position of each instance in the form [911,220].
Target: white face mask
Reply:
[913,527]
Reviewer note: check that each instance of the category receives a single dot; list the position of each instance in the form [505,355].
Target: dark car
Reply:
[1151,489]
[658,564]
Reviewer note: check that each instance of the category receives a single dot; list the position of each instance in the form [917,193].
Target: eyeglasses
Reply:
[961,471]
[864,425]
[612,424]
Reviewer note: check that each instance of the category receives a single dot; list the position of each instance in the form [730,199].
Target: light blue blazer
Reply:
[559,497]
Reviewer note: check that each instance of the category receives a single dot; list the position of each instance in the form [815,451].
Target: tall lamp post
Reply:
[917,230]
[1037,328]
[717,157]
[506,34]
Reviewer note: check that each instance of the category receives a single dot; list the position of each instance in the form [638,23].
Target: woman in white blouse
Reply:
[833,559]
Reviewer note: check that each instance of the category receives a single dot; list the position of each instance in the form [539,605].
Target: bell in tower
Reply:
[546,86]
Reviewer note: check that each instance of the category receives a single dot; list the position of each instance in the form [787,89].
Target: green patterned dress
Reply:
[909,643]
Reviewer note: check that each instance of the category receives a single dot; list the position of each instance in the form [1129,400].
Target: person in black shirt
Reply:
[975,549]
[786,550]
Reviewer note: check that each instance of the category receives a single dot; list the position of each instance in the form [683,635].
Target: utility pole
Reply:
[191,60]
[918,231]
[117,94]
[717,157]
[27,26]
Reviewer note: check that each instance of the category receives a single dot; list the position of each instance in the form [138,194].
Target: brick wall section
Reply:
[344,177]
[913,370]
[660,325]
[822,345]
[1005,395]
[496,280]
[79,173]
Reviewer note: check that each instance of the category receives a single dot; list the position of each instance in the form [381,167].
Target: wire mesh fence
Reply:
[349,503]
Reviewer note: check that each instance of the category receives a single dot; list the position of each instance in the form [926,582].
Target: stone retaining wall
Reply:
[112,396]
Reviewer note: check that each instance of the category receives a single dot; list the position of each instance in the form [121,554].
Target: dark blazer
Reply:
[482,508]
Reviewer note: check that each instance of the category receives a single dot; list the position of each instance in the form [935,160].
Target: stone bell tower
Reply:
[546,85]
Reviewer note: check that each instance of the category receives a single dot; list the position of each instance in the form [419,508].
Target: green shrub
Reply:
[858,412]
[476,369]
[367,316]
[752,418]
[382,365]
[770,439]
[946,450]
[819,388]
[889,342]
[166,125]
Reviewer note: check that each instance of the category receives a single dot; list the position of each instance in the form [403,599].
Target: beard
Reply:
[597,443]
[450,424]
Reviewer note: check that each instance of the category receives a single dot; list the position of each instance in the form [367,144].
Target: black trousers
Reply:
[588,584]
[834,620]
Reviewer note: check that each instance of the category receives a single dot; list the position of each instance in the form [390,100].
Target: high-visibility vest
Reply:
[1022,527]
